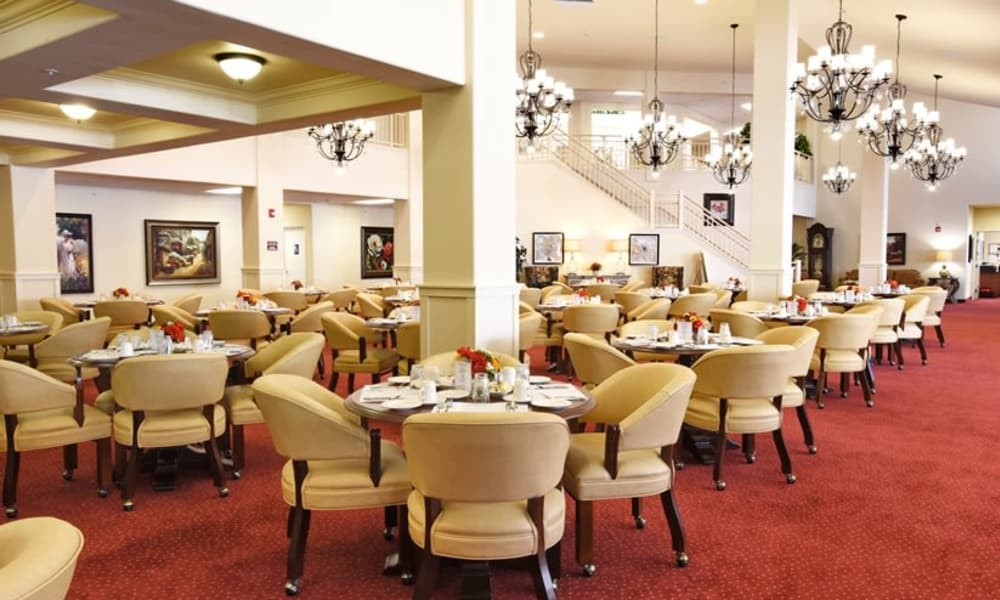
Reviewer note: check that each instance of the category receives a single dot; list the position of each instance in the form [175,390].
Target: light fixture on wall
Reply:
[933,159]
[887,131]
[730,163]
[621,247]
[838,179]
[944,257]
[343,141]
[239,65]
[659,138]
[836,86]
[77,112]
[541,100]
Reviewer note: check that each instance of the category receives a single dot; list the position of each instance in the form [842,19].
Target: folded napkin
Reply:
[378,394]
[483,407]
[564,392]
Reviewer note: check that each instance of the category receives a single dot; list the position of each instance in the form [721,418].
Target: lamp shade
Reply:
[77,112]
[239,66]
[618,245]
[943,255]
[571,245]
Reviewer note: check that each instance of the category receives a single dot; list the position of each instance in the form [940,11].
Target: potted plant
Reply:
[802,145]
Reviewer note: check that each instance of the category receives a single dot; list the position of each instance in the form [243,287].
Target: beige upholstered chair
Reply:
[642,409]
[70,313]
[523,307]
[912,329]
[530,296]
[497,499]
[234,326]
[294,354]
[309,321]
[606,291]
[342,299]
[125,315]
[40,412]
[371,306]
[747,306]
[886,334]
[629,301]
[444,361]
[641,328]
[54,351]
[656,309]
[556,289]
[333,463]
[699,304]
[408,343]
[189,303]
[740,324]
[595,320]
[842,348]
[803,340]
[168,400]
[349,339]
[932,318]
[703,288]
[805,287]
[549,335]
[634,285]
[296,301]
[38,558]
[529,324]
[166,313]
[594,360]
[53,320]
[740,390]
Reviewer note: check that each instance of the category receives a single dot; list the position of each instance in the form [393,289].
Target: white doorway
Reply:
[295,254]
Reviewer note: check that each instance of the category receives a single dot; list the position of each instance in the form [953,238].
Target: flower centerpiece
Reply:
[175,331]
[120,293]
[734,283]
[696,322]
[595,267]
[482,361]
[247,297]
[296,284]
[582,293]
[893,285]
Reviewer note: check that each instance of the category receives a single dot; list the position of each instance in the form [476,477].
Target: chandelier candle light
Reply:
[541,100]
[730,165]
[838,179]
[932,159]
[836,86]
[342,142]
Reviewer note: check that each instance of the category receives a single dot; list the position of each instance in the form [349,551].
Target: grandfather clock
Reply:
[819,256]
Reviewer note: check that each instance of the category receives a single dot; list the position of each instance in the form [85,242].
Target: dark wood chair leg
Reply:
[350,383]
[867,389]
[121,459]
[720,446]
[540,573]
[820,386]
[321,367]
[103,465]
[290,522]
[585,536]
[807,432]
[640,522]
[131,472]
[389,517]
[844,385]
[676,526]
[940,334]
[215,466]
[899,355]
[786,462]
[554,555]
[923,351]
[333,381]
[430,566]
[239,451]
[10,482]
[750,447]
[297,550]
[406,546]
[70,461]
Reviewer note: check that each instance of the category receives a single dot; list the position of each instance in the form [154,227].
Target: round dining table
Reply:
[9,335]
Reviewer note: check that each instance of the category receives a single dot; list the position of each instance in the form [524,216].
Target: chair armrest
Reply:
[375,456]
[612,439]
[362,349]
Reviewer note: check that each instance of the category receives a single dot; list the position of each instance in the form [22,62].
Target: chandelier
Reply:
[730,165]
[838,179]
[836,86]
[932,159]
[886,131]
[541,100]
[342,142]
[659,138]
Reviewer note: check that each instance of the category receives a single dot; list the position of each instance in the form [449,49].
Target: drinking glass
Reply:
[652,333]
[507,376]
[431,374]
[416,375]
[523,372]
[480,388]
[463,375]
[685,331]
[725,334]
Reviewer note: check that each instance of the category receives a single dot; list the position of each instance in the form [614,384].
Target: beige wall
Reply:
[337,250]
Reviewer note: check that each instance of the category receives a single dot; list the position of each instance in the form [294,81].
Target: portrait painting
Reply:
[377,256]
[75,253]
[181,252]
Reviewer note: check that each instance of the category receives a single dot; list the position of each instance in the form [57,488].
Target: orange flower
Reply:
[120,293]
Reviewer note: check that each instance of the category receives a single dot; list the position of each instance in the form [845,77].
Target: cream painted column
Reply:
[775,44]
[28,262]
[408,216]
[874,219]
[469,296]
[263,221]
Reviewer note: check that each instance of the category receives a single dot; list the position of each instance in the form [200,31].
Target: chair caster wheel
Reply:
[223,492]
[640,522]
[237,474]
[127,506]
[387,534]
[292,587]
[820,405]
[10,511]
[68,474]
[682,559]
[790,478]
[751,458]
[406,578]
[843,394]
[812,449]
[720,485]
[923,363]
[103,493]
[870,404]
[589,569]
[679,465]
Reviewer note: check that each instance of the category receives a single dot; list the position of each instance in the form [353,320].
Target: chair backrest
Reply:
[302,420]
[24,389]
[523,307]
[288,299]
[647,401]
[594,360]
[642,327]
[443,361]
[485,457]
[370,305]
[606,291]
[122,312]
[74,339]
[591,318]
[528,325]
[702,289]
[748,306]
[342,299]
[294,354]
[408,340]
[805,288]
[551,290]
[892,312]
[239,324]
[189,303]
[844,332]
[740,324]
[874,309]
[64,307]
[658,308]
[693,303]
[38,558]
[165,313]
[53,319]
[802,339]
[744,372]
[309,319]
[170,381]
[635,284]
[915,307]
[937,295]
[344,329]
[630,301]
[531,296]
[723,298]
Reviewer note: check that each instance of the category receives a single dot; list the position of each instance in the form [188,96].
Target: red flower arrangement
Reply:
[595,267]
[582,293]
[696,321]
[893,284]
[174,331]
[247,296]
[481,360]
[120,293]
[801,303]
[296,284]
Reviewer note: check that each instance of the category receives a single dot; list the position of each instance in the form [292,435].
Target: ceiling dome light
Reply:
[77,112]
[239,66]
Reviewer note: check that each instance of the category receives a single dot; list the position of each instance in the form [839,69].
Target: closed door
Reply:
[295,254]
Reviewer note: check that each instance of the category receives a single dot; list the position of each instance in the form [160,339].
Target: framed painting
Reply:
[719,207]
[644,249]
[993,251]
[75,252]
[377,256]
[182,252]
[895,249]
[547,248]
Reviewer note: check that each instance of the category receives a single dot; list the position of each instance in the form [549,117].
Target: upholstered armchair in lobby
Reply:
[372,306]
[912,330]
[741,324]
[53,320]
[294,354]
[740,390]
[54,351]
[296,301]
[40,412]
[886,336]
[189,303]
[642,409]
[408,343]
[168,400]
[594,360]
[606,291]
[932,318]
[532,296]
[641,328]
[70,313]
[528,325]
[236,326]
[629,301]
[343,300]
[310,321]
[805,288]
[803,341]
[349,337]
[126,315]
[497,499]
[635,284]
[595,320]
[842,348]
[699,304]
[656,309]
[165,313]
[38,558]
[333,463]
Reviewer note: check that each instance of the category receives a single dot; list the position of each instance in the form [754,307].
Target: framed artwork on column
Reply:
[75,252]
[547,248]
[377,257]
[895,249]
[182,252]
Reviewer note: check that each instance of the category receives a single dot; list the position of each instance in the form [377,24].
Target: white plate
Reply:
[704,346]
[452,394]
[539,379]
[524,400]
[399,379]
[544,402]
[402,403]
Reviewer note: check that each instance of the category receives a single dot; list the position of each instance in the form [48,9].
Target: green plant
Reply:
[798,252]
[745,132]
[802,144]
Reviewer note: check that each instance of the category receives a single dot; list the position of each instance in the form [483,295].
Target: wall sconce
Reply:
[571,246]
[621,247]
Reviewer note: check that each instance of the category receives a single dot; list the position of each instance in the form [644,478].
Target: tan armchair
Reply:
[70,313]
[703,288]
[497,497]
[803,341]
[349,337]
[343,300]
[39,558]
[40,412]
[166,313]
[932,318]
[656,309]
[887,332]
[309,321]
[595,320]
[699,304]
[748,306]
[531,296]
[189,303]
[642,409]
[606,291]
[805,287]
[529,324]
[723,298]
[556,289]
[333,463]
[296,301]
[641,328]
[634,285]
[126,315]
[912,328]
[168,400]
[740,390]
[294,354]
[842,348]
[444,361]
[408,343]
[594,360]
[371,306]
[629,301]
[235,326]
[740,324]
[53,320]
[54,351]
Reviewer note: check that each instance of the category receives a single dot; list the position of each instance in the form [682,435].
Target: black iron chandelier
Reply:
[838,178]
[731,163]
[933,159]
[342,142]
[541,100]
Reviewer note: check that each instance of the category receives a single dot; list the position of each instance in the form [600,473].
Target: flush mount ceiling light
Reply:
[77,112]
[239,65]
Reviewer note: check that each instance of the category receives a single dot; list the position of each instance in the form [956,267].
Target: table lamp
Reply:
[621,247]
[571,246]
[944,257]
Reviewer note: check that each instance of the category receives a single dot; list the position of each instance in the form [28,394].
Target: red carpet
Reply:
[900,502]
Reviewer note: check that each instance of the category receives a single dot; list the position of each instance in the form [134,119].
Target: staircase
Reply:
[661,211]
